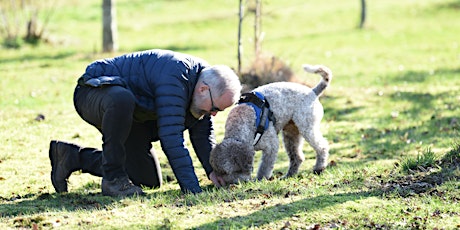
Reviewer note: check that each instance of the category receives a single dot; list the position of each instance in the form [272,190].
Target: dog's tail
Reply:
[325,72]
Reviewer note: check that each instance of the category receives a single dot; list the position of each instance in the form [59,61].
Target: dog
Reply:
[292,108]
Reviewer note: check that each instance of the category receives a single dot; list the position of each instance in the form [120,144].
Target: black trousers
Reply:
[127,145]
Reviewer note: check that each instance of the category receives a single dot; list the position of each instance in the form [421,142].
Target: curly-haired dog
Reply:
[294,109]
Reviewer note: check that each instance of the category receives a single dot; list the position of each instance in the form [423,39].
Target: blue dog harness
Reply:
[263,113]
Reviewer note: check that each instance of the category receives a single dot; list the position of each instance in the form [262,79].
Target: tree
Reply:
[363,14]
[109,26]
[258,36]
[240,25]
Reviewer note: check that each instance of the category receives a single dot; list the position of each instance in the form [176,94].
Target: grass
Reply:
[424,160]
[393,102]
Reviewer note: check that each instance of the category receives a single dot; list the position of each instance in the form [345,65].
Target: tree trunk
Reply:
[240,46]
[109,24]
[257,25]
[363,14]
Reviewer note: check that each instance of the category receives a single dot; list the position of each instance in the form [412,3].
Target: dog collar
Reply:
[263,113]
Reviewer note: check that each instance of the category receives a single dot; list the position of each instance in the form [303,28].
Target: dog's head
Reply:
[232,160]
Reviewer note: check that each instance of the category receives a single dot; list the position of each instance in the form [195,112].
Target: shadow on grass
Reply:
[421,76]
[33,204]
[455,5]
[176,48]
[281,211]
[31,57]
[422,182]
[393,143]
[417,117]
[427,178]
[335,113]
[30,204]
[426,120]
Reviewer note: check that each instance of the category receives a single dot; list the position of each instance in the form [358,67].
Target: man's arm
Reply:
[203,140]
[172,98]
[171,119]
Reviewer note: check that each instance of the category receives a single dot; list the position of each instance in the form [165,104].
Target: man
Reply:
[138,98]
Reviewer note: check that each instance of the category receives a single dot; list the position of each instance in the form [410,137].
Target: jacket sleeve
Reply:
[103,67]
[100,73]
[172,101]
[203,140]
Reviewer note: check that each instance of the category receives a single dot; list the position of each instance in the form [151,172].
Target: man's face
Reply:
[206,103]
[195,107]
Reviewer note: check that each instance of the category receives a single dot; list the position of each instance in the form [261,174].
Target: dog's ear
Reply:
[244,156]
[220,159]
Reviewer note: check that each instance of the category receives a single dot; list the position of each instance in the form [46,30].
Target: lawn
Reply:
[392,116]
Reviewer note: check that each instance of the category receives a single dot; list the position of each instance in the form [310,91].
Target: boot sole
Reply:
[123,194]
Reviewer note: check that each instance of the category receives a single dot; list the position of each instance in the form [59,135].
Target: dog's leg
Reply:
[293,143]
[267,164]
[315,138]
[269,148]
[308,120]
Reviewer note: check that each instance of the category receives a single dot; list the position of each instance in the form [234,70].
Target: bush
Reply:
[12,42]
[264,70]
[20,22]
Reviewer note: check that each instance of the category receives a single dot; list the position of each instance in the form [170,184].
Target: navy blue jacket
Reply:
[163,82]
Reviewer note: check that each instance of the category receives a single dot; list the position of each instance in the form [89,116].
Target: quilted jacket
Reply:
[163,82]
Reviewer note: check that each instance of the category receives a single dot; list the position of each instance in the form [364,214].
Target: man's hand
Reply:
[216,180]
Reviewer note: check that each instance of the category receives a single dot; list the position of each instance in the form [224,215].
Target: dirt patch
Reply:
[425,180]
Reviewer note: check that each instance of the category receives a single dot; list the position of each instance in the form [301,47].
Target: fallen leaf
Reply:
[40,117]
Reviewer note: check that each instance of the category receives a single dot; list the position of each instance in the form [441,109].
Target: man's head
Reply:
[218,88]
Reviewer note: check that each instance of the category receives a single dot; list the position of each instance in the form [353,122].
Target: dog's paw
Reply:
[318,171]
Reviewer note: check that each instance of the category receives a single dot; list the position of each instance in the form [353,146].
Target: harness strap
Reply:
[263,113]
[255,98]
[261,127]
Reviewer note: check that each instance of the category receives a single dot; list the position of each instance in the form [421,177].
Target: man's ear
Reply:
[202,87]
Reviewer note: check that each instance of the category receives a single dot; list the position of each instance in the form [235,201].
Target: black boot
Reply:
[120,187]
[64,160]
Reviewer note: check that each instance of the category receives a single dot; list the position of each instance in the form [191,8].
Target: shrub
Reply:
[265,69]
[12,42]
[20,22]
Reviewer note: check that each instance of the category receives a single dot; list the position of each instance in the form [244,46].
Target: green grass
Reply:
[421,161]
[393,101]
